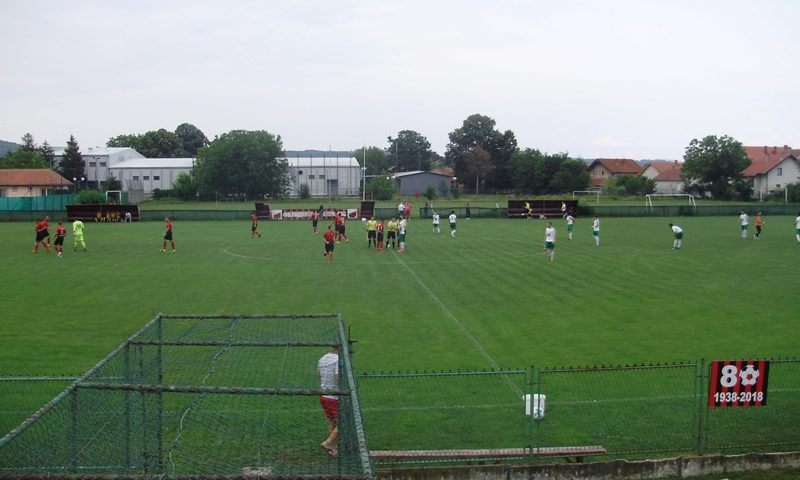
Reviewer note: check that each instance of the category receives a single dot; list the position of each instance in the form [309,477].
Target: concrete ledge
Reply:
[684,467]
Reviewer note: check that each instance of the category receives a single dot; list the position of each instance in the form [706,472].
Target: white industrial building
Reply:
[325,176]
[148,174]
[98,160]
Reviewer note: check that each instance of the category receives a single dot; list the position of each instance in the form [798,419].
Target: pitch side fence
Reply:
[631,411]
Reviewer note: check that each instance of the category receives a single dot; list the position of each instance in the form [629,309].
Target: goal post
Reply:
[596,193]
[114,196]
[649,198]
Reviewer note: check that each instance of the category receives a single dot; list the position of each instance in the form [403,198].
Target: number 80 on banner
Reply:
[738,383]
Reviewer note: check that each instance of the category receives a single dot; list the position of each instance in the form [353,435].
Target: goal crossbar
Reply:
[649,198]
[596,193]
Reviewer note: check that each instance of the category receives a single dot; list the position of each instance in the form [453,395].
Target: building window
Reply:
[311,177]
[146,177]
[103,164]
[92,164]
[156,177]
[780,171]
[135,177]
[322,177]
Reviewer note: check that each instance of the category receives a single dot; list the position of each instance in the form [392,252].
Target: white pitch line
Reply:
[460,326]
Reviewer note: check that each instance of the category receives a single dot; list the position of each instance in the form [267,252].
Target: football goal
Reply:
[682,199]
[596,193]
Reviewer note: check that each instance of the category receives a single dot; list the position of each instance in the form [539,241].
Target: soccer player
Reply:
[379,229]
[401,235]
[41,234]
[797,228]
[168,236]
[452,219]
[677,236]
[759,222]
[468,212]
[401,210]
[550,242]
[570,224]
[254,226]
[61,233]
[372,234]
[315,220]
[596,230]
[528,210]
[436,223]
[744,220]
[77,232]
[340,228]
[328,374]
[563,210]
[329,237]
[392,235]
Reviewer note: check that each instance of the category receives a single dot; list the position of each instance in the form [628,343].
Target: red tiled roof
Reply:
[618,165]
[765,158]
[31,177]
[667,171]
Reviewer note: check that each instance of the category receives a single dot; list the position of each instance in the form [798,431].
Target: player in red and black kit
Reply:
[314,220]
[61,233]
[379,242]
[254,227]
[329,237]
[41,235]
[340,228]
[168,236]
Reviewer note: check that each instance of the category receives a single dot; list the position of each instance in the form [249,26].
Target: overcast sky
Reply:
[594,78]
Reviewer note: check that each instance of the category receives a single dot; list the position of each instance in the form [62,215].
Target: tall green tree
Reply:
[478,163]
[410,151]
[72,165]
[191,139]
[28,143]
[185,187]
[571,175]
[23,159]
[377,160]
[48,154]
[715,164]
[159,143]
[479,130]
[125,141]
[242,162]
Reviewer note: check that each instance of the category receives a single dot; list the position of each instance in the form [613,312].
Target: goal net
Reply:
[669,199]
[190,396]
[584,193]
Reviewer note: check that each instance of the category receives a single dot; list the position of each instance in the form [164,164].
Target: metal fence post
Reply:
[73,437]
[702,410]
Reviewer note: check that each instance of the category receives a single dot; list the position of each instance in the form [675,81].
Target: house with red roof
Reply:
[666,175]
[772,168]
[601,169]
[30,182]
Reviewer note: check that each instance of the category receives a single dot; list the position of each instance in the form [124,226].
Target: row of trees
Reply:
[249,162]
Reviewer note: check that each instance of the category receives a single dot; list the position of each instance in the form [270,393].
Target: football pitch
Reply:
[485,299]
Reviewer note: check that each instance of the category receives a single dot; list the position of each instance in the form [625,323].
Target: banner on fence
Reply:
[305,214]
[738,383]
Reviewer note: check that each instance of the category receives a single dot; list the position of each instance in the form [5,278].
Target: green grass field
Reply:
[483,299]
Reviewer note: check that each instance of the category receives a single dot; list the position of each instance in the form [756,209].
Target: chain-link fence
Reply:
[201,395]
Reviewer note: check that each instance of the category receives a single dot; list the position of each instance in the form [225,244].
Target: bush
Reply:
[304,191]
[382,188]
[90,197]
[159,194]
[430,192]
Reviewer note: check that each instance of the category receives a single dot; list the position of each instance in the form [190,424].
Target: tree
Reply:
[125,141]
[191,139]
[72,164]
[28,144]
[572,175]
[382,187]
[22,159]
[113,183]
[410,151]
[635,185]
[159,143]
[378,162]
[716,164]
[48,154]
[184,187]
[479,130]
[478,162]
[242,162]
